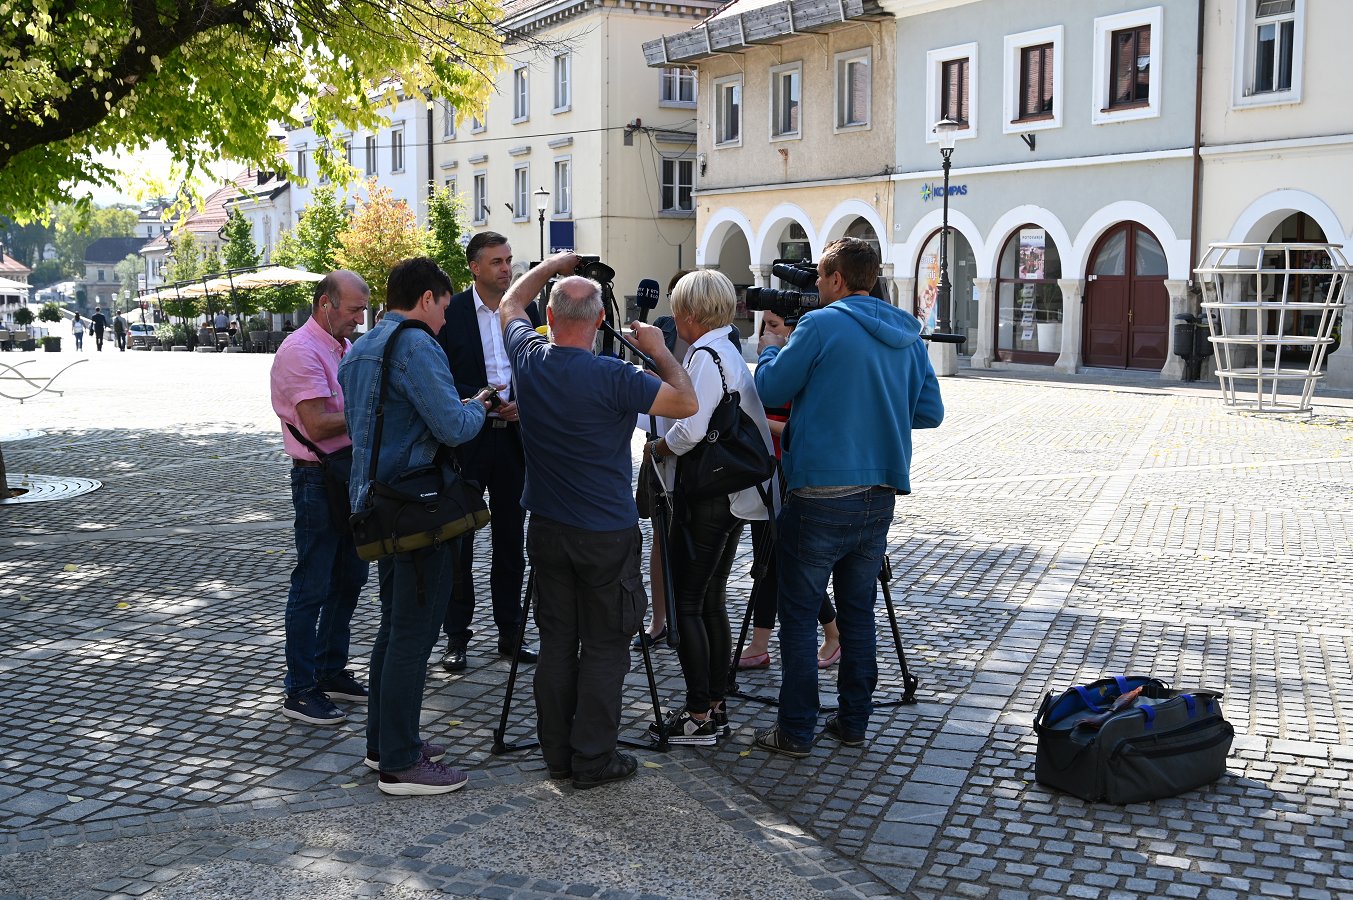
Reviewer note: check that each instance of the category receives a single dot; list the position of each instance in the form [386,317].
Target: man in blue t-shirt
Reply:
[577,418]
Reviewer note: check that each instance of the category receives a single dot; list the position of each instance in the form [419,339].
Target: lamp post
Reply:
[542,201]
[946,130]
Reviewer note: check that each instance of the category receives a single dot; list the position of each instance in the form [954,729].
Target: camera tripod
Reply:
[909,681]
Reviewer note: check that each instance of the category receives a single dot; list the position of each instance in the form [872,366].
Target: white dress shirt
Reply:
[497,367]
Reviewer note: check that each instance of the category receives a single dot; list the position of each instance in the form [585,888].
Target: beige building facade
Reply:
[579,124]
[795,132]
[1278,131]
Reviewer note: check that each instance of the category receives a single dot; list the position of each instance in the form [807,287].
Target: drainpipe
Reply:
[1197,152]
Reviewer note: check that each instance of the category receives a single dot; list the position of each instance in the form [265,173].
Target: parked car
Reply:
[137,333]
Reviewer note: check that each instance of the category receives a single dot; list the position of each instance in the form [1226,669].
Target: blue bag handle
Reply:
[1191,703]
[1150,713]
[1088,699]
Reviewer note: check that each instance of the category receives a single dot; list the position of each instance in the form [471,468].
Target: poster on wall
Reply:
[927,287]
[1032,250]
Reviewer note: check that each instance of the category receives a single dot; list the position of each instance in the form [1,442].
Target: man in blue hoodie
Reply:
[857,378]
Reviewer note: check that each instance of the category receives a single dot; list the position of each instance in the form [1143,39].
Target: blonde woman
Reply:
[704,534]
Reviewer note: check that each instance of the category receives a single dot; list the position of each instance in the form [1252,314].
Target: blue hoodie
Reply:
[859,379]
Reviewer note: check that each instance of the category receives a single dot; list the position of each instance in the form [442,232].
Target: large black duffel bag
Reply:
[1128,739]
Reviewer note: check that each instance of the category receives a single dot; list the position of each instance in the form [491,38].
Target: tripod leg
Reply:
[909,681]
[742,644]
[499,734]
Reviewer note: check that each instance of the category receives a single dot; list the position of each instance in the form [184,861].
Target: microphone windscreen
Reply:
[647,294]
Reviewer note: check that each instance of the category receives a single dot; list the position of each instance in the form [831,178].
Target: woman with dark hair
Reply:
[704,534]
[764,591]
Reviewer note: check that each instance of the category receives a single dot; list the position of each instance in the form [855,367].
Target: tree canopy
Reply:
[210,78]
[381,232]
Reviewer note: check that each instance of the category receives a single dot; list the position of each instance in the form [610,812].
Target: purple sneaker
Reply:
[426,777]
[434,752]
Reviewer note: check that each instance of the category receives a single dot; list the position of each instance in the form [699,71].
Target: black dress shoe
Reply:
[620,766]
[453,660]
[527,655]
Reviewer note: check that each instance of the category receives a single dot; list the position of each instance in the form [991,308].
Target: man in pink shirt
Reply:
[329,574]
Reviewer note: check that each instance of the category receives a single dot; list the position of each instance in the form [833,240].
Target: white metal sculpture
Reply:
[1274,312]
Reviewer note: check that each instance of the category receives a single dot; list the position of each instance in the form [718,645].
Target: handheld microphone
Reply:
[646,297]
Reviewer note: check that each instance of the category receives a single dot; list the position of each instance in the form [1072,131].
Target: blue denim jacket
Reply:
[422,408]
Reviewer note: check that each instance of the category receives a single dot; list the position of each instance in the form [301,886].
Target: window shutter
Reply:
[1274,8]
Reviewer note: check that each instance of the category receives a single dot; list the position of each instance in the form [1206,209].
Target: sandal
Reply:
[830,660]
[755,661]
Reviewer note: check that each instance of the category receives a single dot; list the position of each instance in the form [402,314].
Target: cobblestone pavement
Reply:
[1059,530]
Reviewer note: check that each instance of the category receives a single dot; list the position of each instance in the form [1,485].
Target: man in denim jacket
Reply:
[422,412]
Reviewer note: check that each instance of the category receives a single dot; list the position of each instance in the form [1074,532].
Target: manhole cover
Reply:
[41,488]
[21,435]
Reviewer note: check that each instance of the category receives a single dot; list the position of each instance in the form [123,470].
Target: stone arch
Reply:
[764,250]
[1012,220]
[716,233]
[846,212]
[1076,258]
[910,249]
[1259,219]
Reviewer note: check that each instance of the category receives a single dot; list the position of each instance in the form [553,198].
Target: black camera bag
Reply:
[418,508]
[731,458]
[1165,742]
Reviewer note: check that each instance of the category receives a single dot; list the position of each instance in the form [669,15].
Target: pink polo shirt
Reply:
[306,368]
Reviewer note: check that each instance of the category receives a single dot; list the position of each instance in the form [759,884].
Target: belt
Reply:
[499,423]
[306,464]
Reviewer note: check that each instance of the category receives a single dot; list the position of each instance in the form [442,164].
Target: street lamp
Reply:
[542,201]
[946,130]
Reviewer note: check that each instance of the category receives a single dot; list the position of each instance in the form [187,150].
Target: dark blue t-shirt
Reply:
[577,419]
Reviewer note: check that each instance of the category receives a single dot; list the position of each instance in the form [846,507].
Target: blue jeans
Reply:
[324,587]
[414,588]
[841,538]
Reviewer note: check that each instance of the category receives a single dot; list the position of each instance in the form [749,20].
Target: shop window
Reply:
[962,286]
[1028,298]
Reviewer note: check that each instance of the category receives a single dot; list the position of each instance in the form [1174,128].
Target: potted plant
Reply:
[173,335]
[23,317]
[51,343]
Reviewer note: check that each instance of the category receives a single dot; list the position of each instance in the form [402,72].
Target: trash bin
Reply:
[1192,344]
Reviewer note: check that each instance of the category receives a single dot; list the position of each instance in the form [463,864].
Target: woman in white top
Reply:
[704,534]
[77,330]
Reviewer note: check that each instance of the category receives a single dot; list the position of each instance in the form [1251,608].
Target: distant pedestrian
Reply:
[329,574]
[221,321]
[77,330]
[120,331]
[99,322]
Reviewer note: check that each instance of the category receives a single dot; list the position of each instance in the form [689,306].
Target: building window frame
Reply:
[479,122]
[1101,112]
[563,187]
[397,149]
[676,184]
[841,63]
[1015,45]
[1248,22]
[935,63]
[521,192]
[448,120]
[479,198]
[675,83]
[728,111]
[301,168]
[786,125]
[322,150]
[373,164]
[450,185]
[563,82]
[521,93]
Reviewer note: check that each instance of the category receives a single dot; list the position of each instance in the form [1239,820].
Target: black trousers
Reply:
[495,460]
[704,541]
[589,603]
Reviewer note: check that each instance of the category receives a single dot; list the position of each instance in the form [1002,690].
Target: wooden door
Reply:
[1127,308]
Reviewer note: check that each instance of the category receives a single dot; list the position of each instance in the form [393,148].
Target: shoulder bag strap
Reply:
[296,433]
[385,383]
